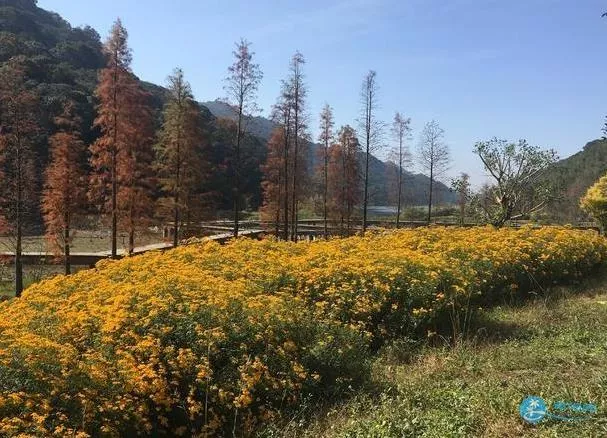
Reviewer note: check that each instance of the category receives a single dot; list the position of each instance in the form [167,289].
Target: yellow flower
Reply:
[206,328]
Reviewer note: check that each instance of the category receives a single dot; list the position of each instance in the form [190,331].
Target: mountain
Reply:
[572,176]
[62,62]
[382,181]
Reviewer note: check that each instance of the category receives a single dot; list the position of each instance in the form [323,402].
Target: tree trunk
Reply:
[294,192]
[366,198]
[430,194]
[114,208]
[367,153]
[286,183]
[462,213]
[114,167]
[400,176]
[237,172]
[66,255]
[326,184]
[18,262]
[19,218]
[400,181]
[342,207]
[177,227]
[132,240]
[277,215]
[177,218]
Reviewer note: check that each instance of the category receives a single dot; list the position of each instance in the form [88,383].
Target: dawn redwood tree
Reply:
[18,131]
[180,163]
[272,183]
[118,96]
[242,83]
[64,191]
[344,177]
[282,116]
[135,176]
[433,156]
[326,139]
[296,99]
[401,129]
[372,131]
[289,113]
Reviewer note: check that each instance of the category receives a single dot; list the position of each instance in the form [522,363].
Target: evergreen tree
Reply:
[272,184]
[122,154]
[181,164]
[344,176]
[372,130]
[135,175]
[282,116]
[326,138]
[18,130]
[242,84]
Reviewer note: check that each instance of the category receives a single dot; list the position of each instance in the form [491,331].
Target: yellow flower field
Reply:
[208,338]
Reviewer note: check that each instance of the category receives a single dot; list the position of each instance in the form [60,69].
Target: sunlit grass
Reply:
[554,348]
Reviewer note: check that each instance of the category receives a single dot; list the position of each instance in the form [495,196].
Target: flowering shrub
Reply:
[209,338]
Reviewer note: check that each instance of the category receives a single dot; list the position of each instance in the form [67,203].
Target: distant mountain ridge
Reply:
[415,185]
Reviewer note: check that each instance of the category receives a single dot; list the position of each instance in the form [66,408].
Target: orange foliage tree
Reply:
[135,175]
[64,193]
[344,176]
[121,157]
[272,184]
[18,131]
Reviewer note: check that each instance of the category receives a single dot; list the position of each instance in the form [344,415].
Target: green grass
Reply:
[553,348]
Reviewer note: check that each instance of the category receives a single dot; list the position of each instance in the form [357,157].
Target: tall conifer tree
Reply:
[326,138]
[64,193]
[18,130]
[122,154]
[244,77]
[182,166]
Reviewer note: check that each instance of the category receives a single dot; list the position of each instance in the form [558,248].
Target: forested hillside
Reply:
[572,177]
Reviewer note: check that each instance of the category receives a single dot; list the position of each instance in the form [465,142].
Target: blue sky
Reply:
[533,69]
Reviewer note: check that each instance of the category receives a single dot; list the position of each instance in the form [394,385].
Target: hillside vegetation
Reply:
[572,177]
[224,339]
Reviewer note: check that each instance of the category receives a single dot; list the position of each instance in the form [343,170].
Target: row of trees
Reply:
[132,173]
[341,180]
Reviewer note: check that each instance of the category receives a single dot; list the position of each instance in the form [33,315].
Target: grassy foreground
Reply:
[554,348]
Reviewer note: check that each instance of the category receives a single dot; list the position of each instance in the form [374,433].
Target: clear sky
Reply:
[533,69]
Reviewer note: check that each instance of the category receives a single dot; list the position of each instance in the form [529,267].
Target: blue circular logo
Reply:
[533,409]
